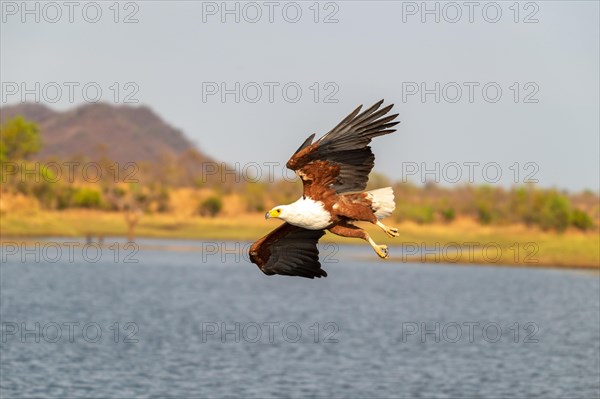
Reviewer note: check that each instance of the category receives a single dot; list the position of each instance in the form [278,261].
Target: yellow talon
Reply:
[382,251]
[390,231]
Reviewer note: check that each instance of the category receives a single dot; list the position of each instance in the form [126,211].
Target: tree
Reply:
[484,202]
[19,138]
[132,217]
[132,201]
[87,198]
[553,211]
[581,220]
[211,206]
[448,214]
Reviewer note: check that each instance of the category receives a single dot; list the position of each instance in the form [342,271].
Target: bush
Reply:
[65,197]
[421,214]
[519,207]
[39,182]
[581,220]
[555,212]
[485,204]
[87,198]
[448,214]
[485,214]
[211,206]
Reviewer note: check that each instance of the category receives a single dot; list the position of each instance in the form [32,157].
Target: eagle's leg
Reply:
[349,230]
[381,250]
[390,231]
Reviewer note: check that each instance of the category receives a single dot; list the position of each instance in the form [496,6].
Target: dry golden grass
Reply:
[463,241]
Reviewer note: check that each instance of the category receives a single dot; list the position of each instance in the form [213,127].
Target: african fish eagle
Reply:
[334,172]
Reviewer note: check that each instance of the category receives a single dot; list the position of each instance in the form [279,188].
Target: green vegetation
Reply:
[421,214]
[211,206]
[448,214]
[87,198]
[18,139]
[581,220]
[184,197]
[547,209]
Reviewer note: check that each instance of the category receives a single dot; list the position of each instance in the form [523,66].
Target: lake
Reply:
[198,320]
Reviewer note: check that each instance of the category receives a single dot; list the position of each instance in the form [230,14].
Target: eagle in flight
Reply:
[334,172]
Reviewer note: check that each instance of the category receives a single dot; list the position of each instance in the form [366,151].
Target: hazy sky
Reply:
[543,56]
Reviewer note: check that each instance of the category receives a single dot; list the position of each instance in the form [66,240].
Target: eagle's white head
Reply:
[304,213]
[280,212]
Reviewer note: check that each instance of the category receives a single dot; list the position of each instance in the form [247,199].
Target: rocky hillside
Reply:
[121,133]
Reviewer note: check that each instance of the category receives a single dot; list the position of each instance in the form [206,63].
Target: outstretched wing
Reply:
[341,160]
[289,250]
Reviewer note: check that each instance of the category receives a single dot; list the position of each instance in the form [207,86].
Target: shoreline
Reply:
[398,259]
[463,242]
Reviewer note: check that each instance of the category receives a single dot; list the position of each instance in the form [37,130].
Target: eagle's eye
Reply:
[278,210]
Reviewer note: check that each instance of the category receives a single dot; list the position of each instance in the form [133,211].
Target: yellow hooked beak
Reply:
[273,213]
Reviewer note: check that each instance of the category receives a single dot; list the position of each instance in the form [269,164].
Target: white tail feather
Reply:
[383,201]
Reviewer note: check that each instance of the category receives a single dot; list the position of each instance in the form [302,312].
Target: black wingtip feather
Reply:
[368,111]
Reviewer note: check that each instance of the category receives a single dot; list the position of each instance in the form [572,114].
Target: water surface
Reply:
[180,324]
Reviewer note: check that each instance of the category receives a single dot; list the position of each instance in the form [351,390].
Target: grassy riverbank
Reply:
[463,241]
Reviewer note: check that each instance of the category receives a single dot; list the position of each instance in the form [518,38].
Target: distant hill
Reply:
[122,133]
